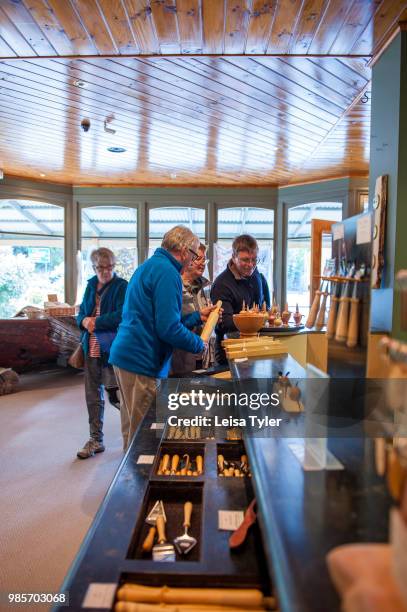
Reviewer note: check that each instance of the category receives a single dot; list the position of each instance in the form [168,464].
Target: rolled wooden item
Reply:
[342,320]
[314,310]
[199,464]
[174,464]
[149,540]
[211,322]
[319,323]
[330,328]
[243,598]
[128,606]
[353,327]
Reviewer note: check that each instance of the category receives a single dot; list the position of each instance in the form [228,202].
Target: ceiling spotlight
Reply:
[116,149]
[80,84]
[173,175]
[42,174]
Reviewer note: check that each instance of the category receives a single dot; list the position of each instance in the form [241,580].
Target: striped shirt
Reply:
[94,347]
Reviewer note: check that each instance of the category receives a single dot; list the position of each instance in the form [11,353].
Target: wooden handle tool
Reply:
[330,328]
[221,461]
[211,322]
[174,464]
[353,328]
[199,464]
[185,467]
[165,464]
[314,310]
[319,323]
[342,320]
[149,540]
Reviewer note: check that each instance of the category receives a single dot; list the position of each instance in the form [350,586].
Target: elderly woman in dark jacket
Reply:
[99,317]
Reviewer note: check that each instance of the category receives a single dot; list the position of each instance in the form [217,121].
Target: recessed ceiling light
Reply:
[80,84]
[116,149]
[41,174]
[173,175]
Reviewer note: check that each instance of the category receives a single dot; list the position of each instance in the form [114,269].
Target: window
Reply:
[164,218]
[299,249]
[114,227]
[259,222]
[32,254]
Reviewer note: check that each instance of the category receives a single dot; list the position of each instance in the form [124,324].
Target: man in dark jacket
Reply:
[240,282]
[99,317]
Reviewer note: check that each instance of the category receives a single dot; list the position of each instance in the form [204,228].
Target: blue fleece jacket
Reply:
[111,305]
[152,325]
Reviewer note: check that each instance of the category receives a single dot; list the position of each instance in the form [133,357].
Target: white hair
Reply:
[180,237]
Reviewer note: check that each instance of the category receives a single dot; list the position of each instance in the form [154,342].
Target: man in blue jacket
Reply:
[99,317]
[240,282]
[152,326]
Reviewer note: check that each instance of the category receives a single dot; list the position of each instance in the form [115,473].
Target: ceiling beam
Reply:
[93,225]
[307,216]
[30,217]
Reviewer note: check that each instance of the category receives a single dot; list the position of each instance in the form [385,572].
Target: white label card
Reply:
[230,520]
[364,229]
[145,459]
[100,595]
[338,231]
[157,425]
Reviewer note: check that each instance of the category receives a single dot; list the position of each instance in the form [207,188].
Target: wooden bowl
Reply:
[249,324]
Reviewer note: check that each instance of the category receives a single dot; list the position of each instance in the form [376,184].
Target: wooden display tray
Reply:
[112,551]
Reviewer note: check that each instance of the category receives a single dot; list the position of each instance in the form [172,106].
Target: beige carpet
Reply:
[48,496]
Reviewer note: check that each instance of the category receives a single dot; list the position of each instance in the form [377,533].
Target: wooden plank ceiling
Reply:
[30,28]
[237,119]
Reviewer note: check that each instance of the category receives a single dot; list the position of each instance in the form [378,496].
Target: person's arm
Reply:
[191,319]
[167,308]
[266,291]
[111,320]
[82,312]
[220,292]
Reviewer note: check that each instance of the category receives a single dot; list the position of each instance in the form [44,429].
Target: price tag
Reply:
[364,229]
[157,425]
[145,459]
[99,595]
[338,231]
[230,520]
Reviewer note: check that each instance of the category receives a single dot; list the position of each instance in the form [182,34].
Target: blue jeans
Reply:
[96,378]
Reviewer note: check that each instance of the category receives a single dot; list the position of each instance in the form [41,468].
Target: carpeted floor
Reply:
[48,496]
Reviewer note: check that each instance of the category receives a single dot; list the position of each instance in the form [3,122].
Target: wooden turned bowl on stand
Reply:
[249,324]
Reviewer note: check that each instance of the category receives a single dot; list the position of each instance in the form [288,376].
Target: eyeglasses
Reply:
[103,268]
[202,259]
[195,255]
[249,260]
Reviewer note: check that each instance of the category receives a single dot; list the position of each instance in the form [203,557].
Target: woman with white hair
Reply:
[152,326]
[99,317]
